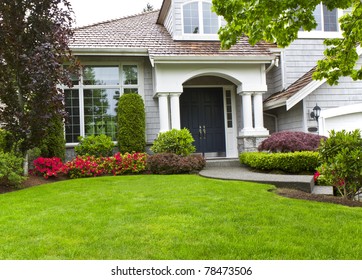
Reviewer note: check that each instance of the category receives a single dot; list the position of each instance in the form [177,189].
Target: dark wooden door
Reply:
[202,112]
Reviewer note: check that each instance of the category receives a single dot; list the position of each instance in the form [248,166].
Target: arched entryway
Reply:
[208,110]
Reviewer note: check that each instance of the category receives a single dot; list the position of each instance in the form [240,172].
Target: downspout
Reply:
[275,62]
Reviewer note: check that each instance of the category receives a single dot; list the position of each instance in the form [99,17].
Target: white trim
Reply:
[231,133]
[304,92]
[343,110]
[201,36]
[182,59]
[115,51]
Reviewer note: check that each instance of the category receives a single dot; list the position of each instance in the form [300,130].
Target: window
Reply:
[199,19]
[327,21]
[92,103]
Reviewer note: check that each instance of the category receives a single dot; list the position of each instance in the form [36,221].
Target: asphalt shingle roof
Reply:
[142,31]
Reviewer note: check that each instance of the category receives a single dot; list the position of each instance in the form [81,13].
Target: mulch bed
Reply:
[290,193]
[297,194]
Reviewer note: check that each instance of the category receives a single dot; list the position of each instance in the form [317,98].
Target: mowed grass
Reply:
[172,217]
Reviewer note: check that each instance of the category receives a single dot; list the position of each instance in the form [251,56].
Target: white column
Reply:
[247,114]
[175,110]
[258,114]
[164,112]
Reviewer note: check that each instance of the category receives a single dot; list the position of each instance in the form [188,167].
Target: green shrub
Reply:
[295,163]
[94,145]
[169,163]
[53,144]
[174,141]
[3,134]
[11,170]
[341,157]
[131,123]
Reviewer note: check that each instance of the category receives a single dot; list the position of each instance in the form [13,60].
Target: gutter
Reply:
[96,51]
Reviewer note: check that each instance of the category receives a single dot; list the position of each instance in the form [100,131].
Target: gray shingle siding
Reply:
[151,104]
[300,57]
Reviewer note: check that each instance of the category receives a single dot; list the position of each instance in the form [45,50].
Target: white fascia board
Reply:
[343,110]
[97,51]
[304,92]
[274,104]
[212,59]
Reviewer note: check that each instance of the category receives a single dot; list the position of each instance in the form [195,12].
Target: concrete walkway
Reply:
[232,170]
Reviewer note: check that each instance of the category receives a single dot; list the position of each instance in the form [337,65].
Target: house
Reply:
[230,100]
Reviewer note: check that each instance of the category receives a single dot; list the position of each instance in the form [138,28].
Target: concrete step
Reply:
[325,190]
[227,162]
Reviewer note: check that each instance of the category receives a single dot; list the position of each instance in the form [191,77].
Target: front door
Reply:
[202,112]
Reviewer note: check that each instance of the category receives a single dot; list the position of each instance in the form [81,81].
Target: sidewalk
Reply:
[234,172]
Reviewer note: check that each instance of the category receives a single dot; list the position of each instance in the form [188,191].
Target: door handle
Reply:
[200,132]
[204,132]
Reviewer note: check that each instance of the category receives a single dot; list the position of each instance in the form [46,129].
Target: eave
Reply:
[114,51]
[185,59]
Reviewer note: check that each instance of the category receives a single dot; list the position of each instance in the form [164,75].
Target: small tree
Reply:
[131,123]
[53,144]
[34,38]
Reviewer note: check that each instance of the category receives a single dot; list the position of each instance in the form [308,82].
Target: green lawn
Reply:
[172,217]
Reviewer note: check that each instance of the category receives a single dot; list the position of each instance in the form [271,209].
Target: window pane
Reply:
[101,75]
[72,125]
[229,109]
[130,75]
[211,20]
[318,17]
[130,90]
[330,19]
[100,111]
[191,18]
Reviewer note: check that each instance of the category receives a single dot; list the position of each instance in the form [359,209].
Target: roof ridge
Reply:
[115,19]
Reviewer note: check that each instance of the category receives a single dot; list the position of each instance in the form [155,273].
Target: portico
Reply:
[242,87]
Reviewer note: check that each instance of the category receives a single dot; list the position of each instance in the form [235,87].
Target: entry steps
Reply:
[222,162]
[231,169]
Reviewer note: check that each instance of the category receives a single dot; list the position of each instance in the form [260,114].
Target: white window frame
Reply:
[81,87]
[321,34]
[201,35]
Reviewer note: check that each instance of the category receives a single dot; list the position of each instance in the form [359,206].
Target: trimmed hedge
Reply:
[169,163]
[131,123]
[295,163]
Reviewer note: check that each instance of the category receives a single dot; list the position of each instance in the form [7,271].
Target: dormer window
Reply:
[327,20]
[199,19]
[327,23]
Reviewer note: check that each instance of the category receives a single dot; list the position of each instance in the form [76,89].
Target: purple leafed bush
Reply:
[291,141]
[169,163]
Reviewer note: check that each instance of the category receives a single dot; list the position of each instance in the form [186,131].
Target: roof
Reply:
[280,98]
[142,32]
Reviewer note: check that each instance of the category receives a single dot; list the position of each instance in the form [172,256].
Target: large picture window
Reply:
[198,18]
[92,103]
